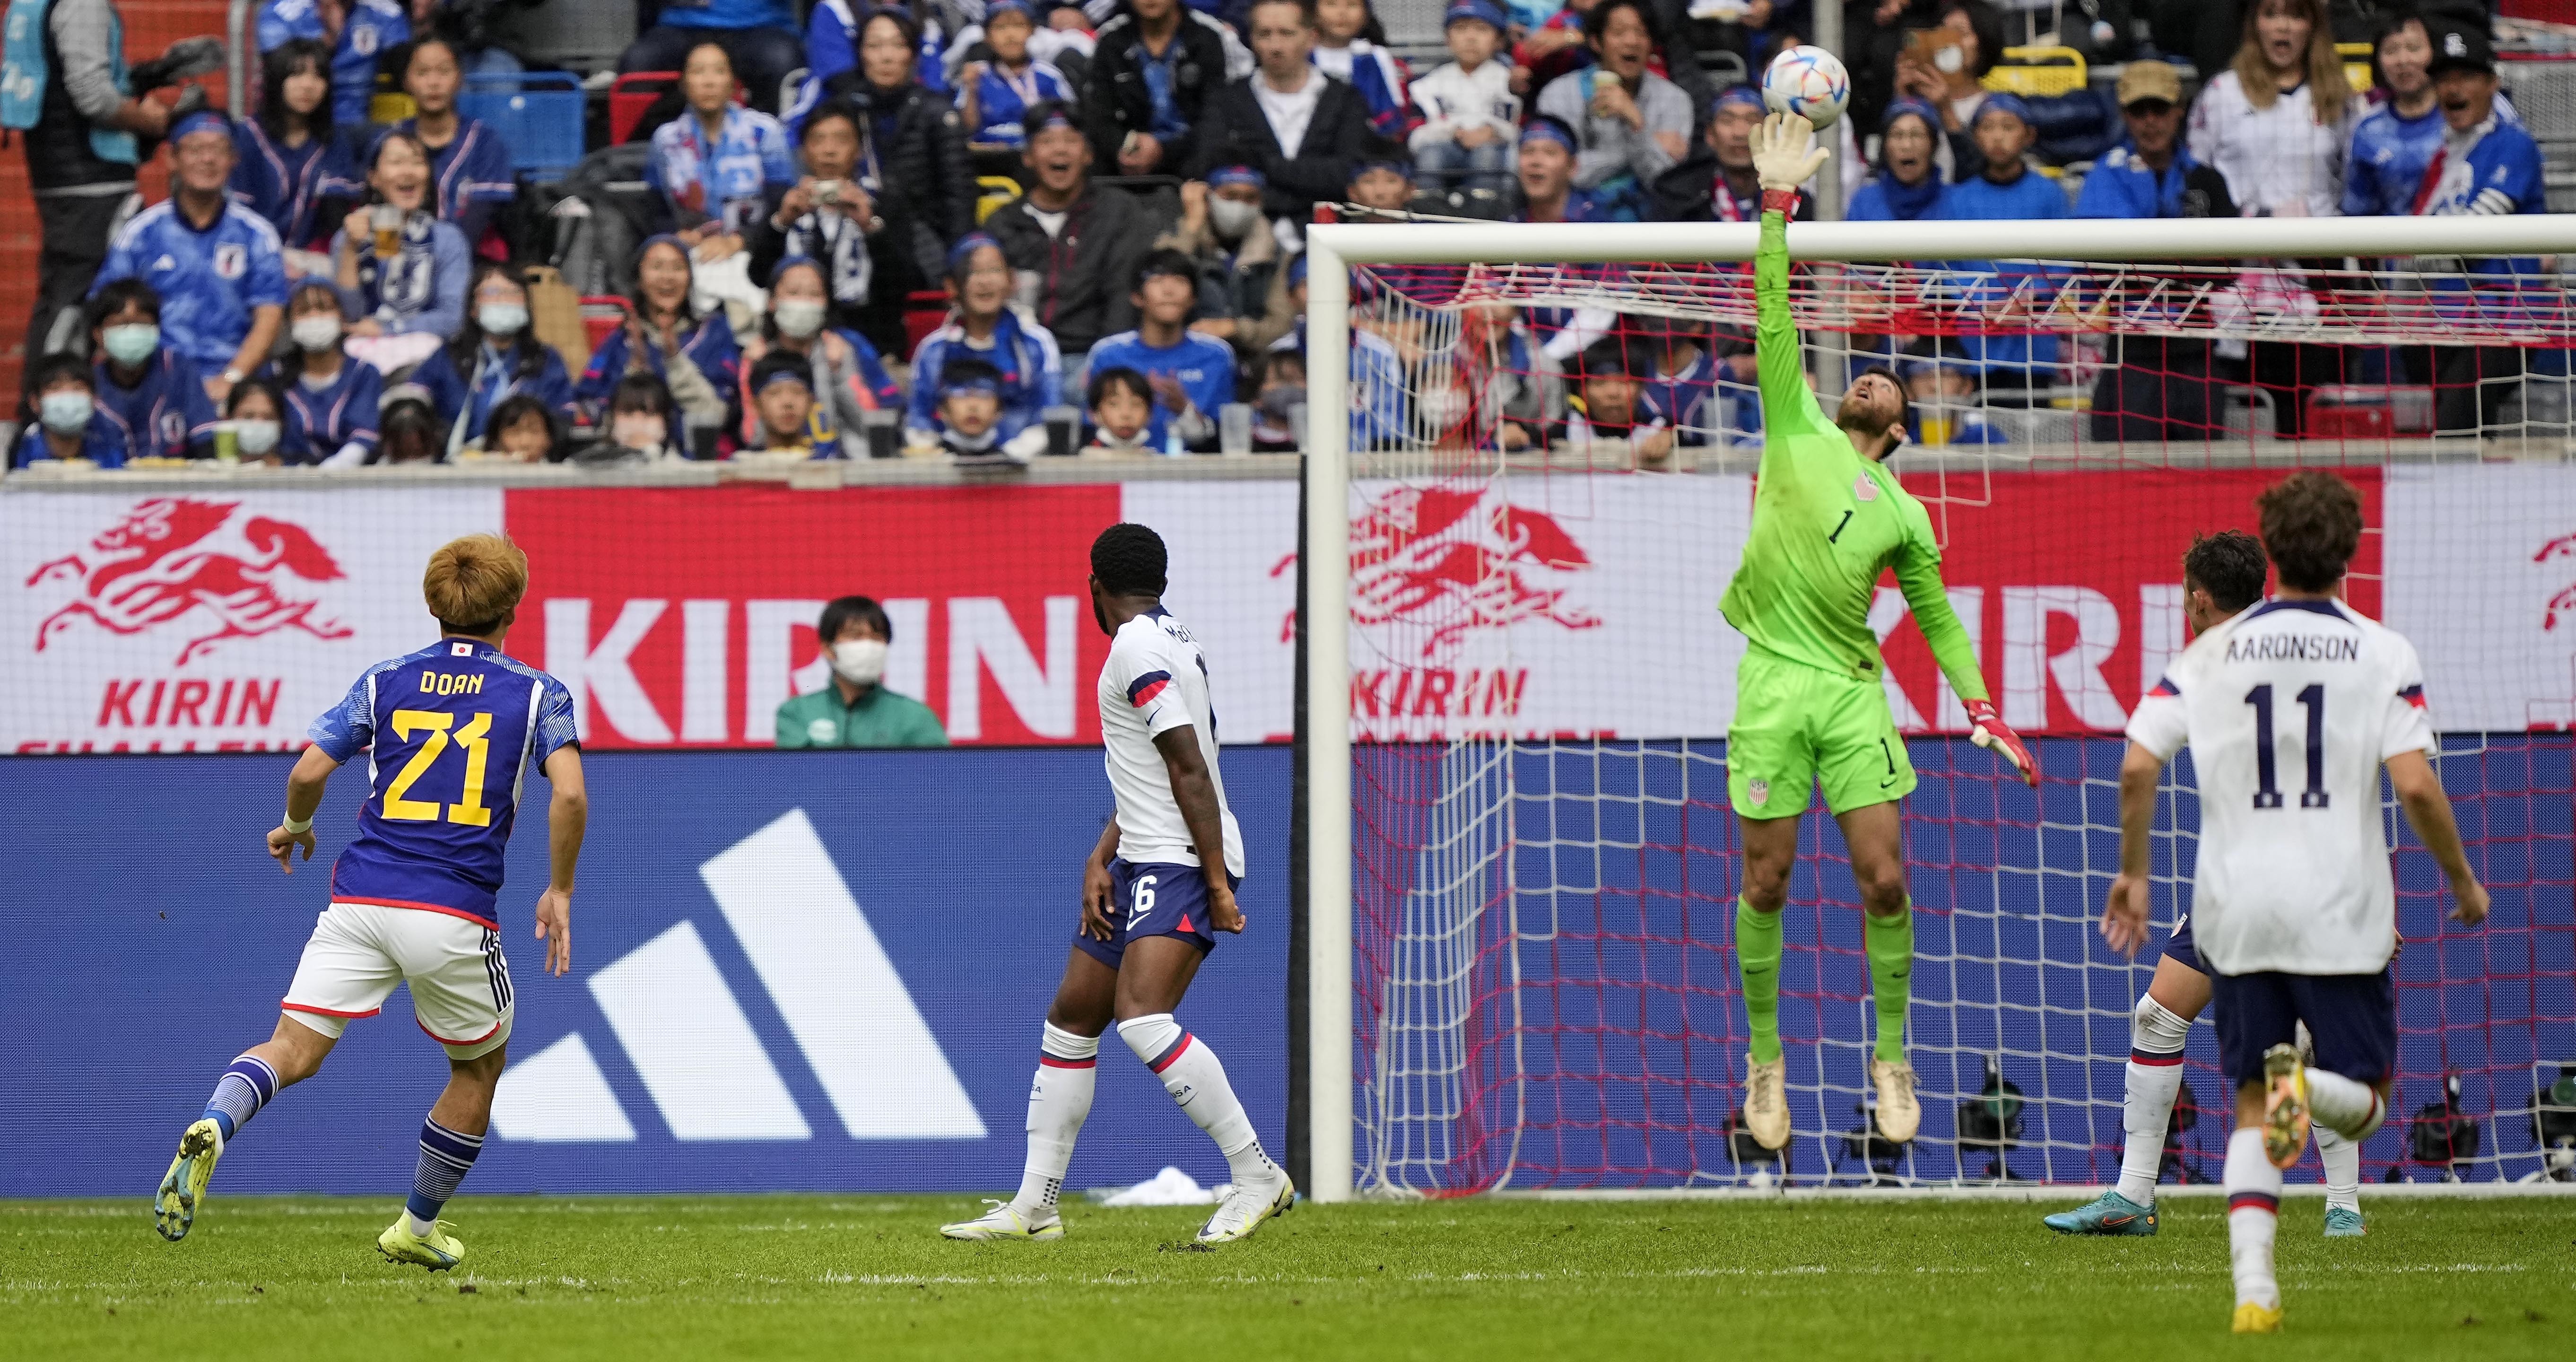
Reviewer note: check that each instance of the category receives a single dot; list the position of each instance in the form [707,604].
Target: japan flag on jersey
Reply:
[2289,709]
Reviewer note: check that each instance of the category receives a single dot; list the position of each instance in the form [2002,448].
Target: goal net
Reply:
[1523,971]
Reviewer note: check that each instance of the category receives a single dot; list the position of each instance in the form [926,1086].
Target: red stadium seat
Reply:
[601,315]
[630,95]
[923,311]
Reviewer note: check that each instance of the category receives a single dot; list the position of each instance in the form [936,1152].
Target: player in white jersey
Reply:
[1155,892]
[2222,576]
[2291,709]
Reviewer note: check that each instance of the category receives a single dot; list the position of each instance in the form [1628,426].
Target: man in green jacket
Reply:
[856,710]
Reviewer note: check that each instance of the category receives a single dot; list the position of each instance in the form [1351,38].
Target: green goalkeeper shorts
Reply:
[1795,725]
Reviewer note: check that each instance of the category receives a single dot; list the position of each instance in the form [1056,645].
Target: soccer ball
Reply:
[1809,82]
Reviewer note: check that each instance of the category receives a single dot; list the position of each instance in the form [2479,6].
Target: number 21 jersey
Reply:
[2289,709]
[450,732]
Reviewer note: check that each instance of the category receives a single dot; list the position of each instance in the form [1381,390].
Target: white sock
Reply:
[423,1228]
[2253,1217]
[1195,1078]
[1059,1100]
[2156,1035]
[2347,1106]
[2342,1158]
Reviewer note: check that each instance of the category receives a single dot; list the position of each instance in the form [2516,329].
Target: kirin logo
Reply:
[171,557]
[2563,603]
[1447,560]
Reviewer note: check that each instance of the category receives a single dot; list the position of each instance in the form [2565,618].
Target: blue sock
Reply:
[446,1156]
[240,1093]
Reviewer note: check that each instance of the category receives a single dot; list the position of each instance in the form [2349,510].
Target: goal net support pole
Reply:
[1333,249]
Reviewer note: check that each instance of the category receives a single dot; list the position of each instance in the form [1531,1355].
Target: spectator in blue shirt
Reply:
[150,391]
[997,95]
[215,263]
[290,158]
[1191,374]
[419,289]
[469,165]
[2395,141]
[1028,373]
[758,37]
[258,419]
[844,378]
[494,356]
[1905,185]
[64,419]
[354,34]
[718,166]
[2156,387]
[694,354]
[331,396]
[2006,189]
[2485,167]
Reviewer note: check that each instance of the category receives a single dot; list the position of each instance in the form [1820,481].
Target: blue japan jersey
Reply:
[1203,364]
[374,27]
[209,281]
[450,733]
[162,414]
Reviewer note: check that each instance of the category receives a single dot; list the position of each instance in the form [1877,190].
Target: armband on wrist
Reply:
[1781,201]
[299,829]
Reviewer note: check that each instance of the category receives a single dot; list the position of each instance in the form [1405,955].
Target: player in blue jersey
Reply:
[450,732]
[1156,891]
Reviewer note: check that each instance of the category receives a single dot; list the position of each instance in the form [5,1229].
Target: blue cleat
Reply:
[2343,1222]
[2111,1213]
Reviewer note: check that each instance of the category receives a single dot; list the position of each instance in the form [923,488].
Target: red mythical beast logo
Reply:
[167,558]
[1440,558]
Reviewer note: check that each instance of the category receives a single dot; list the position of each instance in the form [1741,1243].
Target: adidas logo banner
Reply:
[791,971]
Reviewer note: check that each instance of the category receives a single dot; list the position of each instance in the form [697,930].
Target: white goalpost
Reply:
[1519,857]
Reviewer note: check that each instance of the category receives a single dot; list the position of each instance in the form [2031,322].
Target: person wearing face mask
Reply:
[1243,292]
[218,266]
[856,709]
[916,166]
[150,391]
[981,325]
[825,214]
[419,289]
[694,354]
[492,358]
[331,396]
[643,425]
[62,417]
[845,375]
[257,415]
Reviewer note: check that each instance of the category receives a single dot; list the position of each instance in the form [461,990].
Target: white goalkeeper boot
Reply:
[1899,1115]
[1766,1101]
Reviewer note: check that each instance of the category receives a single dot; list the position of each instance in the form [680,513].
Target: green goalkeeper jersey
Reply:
[1827,522]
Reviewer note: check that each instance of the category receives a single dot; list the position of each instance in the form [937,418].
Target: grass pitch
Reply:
[846,1277]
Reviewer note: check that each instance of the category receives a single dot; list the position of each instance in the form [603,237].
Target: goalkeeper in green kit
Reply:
[1828,518]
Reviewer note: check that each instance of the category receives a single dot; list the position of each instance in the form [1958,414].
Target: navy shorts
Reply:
[2352,1018]
[1153,900]
[2178,947]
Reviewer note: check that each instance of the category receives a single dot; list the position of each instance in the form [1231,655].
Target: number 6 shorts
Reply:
[460,984]
[1795,725]
[1153,900]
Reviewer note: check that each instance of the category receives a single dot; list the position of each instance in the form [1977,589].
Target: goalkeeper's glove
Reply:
[1784,152]
[1987,729]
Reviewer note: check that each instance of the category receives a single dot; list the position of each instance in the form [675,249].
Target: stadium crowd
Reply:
[1003,229]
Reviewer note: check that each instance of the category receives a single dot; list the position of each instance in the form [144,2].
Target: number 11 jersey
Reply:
[2289,709]
[450,732]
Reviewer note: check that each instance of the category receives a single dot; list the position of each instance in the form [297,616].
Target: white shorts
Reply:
[460,983]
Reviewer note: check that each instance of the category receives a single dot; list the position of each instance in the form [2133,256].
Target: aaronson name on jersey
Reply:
[2294,648]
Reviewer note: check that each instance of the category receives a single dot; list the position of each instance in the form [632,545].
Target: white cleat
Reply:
[1766,1101]
[1246,1207]
[1004,1221]
[1899,1115]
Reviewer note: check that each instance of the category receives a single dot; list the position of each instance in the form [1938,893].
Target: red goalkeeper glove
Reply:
[1987,729]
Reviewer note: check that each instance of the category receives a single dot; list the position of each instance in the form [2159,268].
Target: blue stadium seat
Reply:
[537,113]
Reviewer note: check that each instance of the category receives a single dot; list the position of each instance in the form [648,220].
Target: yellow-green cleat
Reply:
[183,1188]
[438,1250]
[2256,1319]
[2285,1106]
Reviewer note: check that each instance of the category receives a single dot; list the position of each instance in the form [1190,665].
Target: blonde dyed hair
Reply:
[475,582]
[2328,88]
